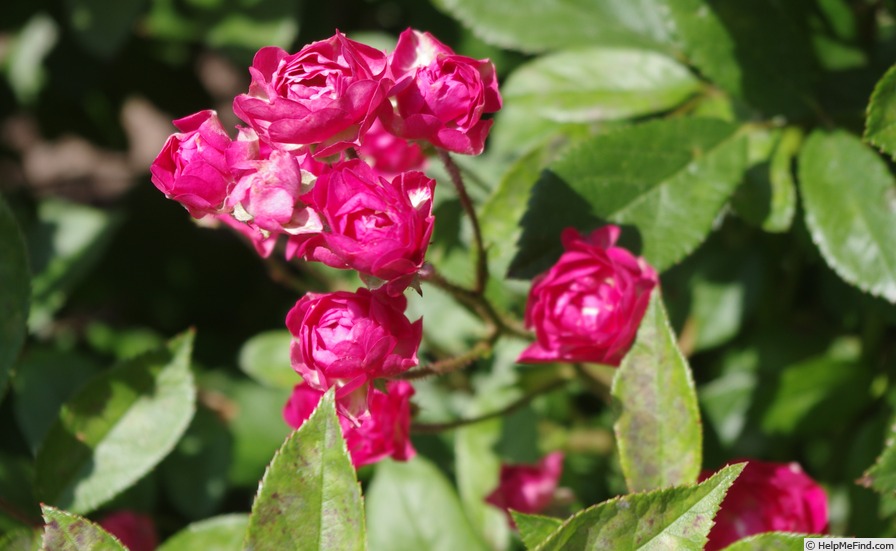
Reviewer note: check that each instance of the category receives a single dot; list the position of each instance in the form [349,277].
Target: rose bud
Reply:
[587,307]
[135,530]
[528,488]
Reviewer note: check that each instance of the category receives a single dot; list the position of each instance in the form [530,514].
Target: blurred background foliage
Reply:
[790,361]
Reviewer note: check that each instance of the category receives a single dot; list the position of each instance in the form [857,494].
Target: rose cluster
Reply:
[328,166]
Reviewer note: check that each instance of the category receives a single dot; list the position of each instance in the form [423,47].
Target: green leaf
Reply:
[14,292]
[46,379]
[767,198]
[674,518]
[221,533]
[195,473]
[66,242]
[265,358]
[412,506]
[880,123]
[21,539]
[118,427]
[535,529]
[598,83]
[65,531]
[783,184]
[657,425]
[759,50]
[850,202]
[309,497]
[538,25]
[881,477]
[669,179]
[770,541]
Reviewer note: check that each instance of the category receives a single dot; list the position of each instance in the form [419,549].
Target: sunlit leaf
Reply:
[880,124]
[65,531]
[222,533]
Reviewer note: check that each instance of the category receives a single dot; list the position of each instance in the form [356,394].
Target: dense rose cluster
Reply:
[769,497]
[328,165]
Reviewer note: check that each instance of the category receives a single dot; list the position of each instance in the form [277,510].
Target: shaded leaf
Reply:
[668,179]
[67,240]
[21,539]
[194,474]
[538,25]
[265,358]
[221,533]
[65,531]
[675,518]
[412,506]
[850,202]
[880,122]
[15,289]
[46,379]
[657,426]
[309,497]
[759,51]
[103,26]
[118,427]
[535,529]
[881,477]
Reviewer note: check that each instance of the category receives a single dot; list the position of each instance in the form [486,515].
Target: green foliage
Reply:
[848,194]
[879,125]
[771,541]
[658,429]
[396,500]
[265,358]
[666,180]
[117,428]
[535,529]
[66,531]
[309,497]
[221,533]
[675,518]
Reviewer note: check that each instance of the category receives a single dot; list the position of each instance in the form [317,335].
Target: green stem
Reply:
[467,204]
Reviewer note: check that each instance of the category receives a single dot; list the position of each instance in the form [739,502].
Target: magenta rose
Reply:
[267,195]
[193,167]
[388,154]
[345,339]
[588,306]
[439,96]
[769,497]
[383,430]
[135,530]
[263,242]
[377,227]
[528,488]
[326,94]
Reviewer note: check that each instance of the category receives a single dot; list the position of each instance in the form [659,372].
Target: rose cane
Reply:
[588,305]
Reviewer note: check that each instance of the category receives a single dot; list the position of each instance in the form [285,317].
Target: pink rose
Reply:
[193,167]
[135,530]
[326,94]
[264,243]
[440,96]
[267,195]
[769,497]
[382,431]
[528,488]
[379,228]
[388,154]
[588,306]
[346,339]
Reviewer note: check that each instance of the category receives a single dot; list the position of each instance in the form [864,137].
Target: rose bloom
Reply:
[587,307]
[769,497]
[378,227]
[135,530]
[382,431]
[346,339]
[193,167]
[439,96]
[528,488]
[388,154]
[326,94]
